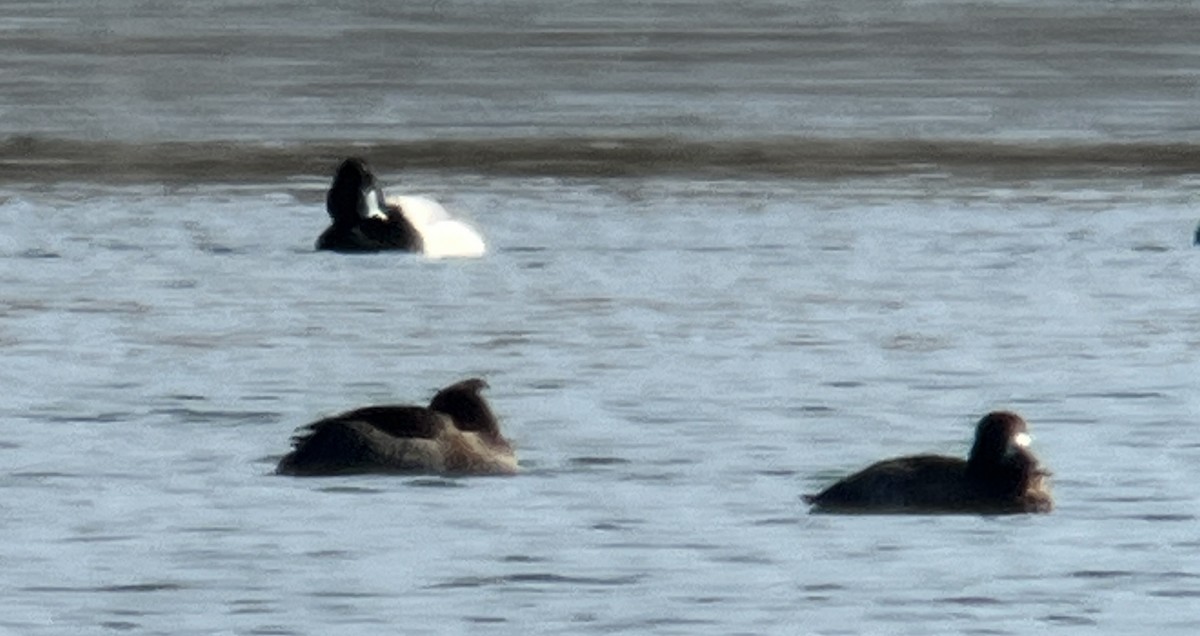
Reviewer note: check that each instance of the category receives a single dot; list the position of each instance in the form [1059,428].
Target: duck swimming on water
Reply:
[457,434]
[1000,476]
[364,220]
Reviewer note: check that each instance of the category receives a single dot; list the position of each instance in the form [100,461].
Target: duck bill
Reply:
[370,204]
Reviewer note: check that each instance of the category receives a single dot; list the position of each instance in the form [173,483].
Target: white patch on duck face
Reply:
[1016,443]
[371,209]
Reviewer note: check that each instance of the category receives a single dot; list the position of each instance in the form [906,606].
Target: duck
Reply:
[364,220]
[457,434]
[1000,476]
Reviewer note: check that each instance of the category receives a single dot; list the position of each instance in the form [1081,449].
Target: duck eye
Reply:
[1021,440]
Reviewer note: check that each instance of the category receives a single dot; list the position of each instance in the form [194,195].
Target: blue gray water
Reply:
[271,71]
[678,346]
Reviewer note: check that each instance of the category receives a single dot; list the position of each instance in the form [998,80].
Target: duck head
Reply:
[1000,459]
[355,194]
[464,404]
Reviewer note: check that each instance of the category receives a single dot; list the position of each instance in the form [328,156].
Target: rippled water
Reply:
[736,251]
[676,361]
[271,70]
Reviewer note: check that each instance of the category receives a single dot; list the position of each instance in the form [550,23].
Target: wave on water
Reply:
[40,159]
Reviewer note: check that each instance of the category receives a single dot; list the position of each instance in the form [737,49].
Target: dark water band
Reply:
[37,159]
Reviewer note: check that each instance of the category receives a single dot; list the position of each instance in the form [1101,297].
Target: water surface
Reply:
[735,251]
